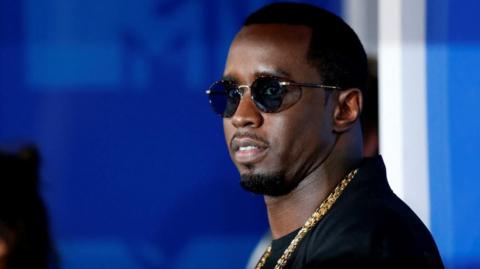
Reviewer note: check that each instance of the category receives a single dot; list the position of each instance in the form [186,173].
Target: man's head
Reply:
[276,147]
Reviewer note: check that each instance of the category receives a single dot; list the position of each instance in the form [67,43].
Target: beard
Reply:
[271,185]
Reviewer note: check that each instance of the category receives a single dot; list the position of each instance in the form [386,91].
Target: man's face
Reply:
[275,151]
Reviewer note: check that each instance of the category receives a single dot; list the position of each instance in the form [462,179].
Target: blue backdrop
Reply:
[453,64]
[135,171]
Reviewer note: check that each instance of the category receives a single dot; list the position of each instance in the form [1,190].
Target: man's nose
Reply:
[247,114]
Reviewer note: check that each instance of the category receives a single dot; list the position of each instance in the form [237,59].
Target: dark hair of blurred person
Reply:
[369,116]
[24,233]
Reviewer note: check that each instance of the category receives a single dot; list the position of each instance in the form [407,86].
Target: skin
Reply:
[312,142]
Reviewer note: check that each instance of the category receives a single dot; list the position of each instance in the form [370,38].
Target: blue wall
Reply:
[453,59]
[135,171]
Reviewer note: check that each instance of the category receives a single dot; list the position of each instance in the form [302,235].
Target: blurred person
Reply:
[369,116]
[24,234]
[291,97]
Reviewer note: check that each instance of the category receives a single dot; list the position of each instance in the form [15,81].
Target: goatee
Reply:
[271,185]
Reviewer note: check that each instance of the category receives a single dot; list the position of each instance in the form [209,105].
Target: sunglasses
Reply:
[269,94]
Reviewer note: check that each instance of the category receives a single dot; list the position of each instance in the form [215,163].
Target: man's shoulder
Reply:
[370,224]
[369,207]
[374,207]
[368,216]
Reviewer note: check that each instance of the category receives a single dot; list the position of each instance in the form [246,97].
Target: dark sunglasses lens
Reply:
[224,98]
[268,94]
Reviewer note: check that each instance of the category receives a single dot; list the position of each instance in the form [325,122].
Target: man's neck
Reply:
[289,212]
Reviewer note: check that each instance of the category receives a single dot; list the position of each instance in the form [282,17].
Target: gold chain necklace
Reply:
[309,224]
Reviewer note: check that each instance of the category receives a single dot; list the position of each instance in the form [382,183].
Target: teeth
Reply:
[247,148]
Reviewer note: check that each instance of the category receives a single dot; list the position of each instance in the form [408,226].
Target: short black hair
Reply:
[335,50]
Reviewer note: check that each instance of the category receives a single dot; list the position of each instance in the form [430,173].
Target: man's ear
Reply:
[347,110]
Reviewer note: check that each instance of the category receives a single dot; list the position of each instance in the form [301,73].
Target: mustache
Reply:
[250,135]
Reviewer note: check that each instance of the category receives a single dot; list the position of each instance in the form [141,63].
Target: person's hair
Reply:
[334,49]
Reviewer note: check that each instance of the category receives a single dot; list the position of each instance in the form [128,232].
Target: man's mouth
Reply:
[247,150]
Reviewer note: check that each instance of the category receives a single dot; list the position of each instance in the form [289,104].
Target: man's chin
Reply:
[266,184]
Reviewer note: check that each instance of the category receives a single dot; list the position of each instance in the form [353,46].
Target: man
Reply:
[291,98]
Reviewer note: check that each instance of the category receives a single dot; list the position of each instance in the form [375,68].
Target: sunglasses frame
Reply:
[280,82]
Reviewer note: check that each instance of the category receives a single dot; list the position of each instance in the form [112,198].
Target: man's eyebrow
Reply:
[280,73]
[273,73]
